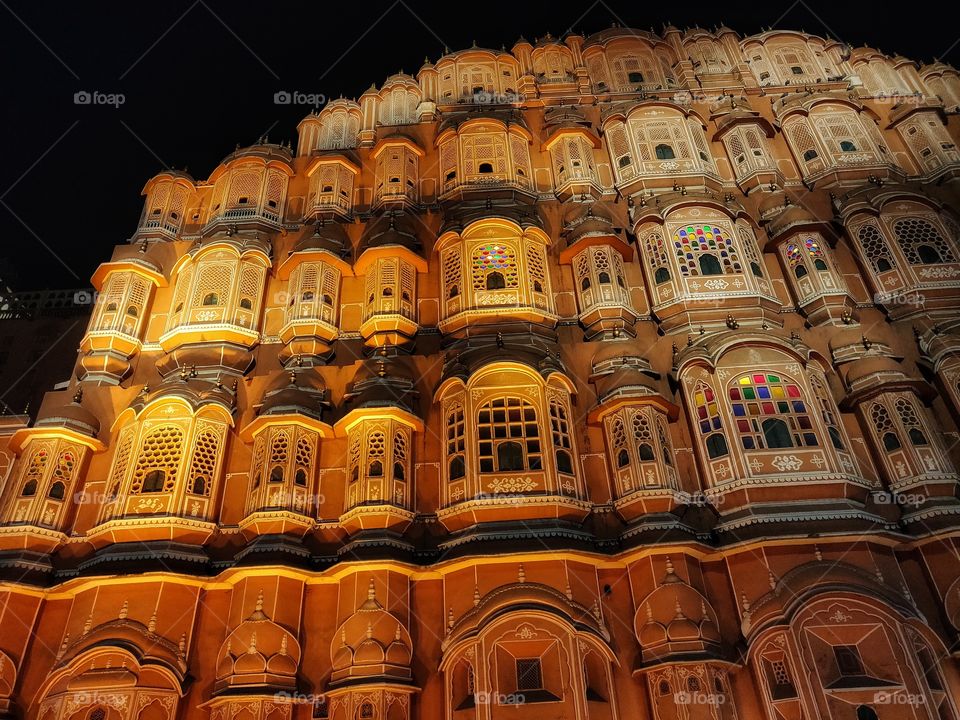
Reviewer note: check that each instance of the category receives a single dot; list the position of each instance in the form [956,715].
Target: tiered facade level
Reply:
[609,377]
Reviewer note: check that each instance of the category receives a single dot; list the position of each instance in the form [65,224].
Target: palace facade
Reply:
[607,377]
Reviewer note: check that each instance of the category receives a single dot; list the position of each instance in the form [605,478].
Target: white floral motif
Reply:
[787,462]
[939,272]
[840,616]
[512,485]
[716,284]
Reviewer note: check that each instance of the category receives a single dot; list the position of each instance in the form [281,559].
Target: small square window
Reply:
[529,674]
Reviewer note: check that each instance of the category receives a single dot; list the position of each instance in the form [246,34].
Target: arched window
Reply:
[509,422]
[694,242]
[375,469]
[456,465]
[809,155]
[911,422]
[211,299]
[153,481]
[664,152]
[456,468]
[498,260]
[847,146]
[57,491]
[922,243]
[661,276]
[158,460]
[495,281]
[866,713]
[708,420]
[645,452]
[776,434]
[509,456]
[709,265]
[770,412]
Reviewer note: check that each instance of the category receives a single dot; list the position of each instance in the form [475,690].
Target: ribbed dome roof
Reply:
[372,643]
[300,391]
[72,416]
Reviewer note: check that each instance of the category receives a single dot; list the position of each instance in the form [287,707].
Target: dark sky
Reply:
[199,77]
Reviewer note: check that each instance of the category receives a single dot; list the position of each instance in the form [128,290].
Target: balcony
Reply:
[254,216]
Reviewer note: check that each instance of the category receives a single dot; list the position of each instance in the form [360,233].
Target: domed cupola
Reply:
[259,656]
[286,436]
[371,646]
[389,260]
[44,483]
[379,425]
[371,655]
[676,623]
[599,257]
[314,270]
[250,188]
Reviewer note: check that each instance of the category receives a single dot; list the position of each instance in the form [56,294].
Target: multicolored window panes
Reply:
[692,241]
[494,258]
[769,411]
[708,415]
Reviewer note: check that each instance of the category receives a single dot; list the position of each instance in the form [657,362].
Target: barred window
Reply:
[509,436]
[875,248]
[529,674]
[456,465]
[921,242]
[158,460]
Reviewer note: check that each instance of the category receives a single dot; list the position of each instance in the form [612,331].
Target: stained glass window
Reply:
[765,405]
[693,241]
[708,419]
[494,258]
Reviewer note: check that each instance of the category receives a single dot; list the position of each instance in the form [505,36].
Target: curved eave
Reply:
[731,120]
[295,259]
[331,159]
[396,141]
[126,265]
[344,424]
[605,407]
[587,241]
[22,436]
[561,132]
[262,422]
[201,408]
[371,255]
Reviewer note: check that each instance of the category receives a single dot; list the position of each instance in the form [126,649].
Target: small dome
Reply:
[371,643]
[626,380]
[328,236]
[868,367]
[296,391]
[682,629]
[391,229]
[72,416]
[256,647]
[383,381]
[652,633]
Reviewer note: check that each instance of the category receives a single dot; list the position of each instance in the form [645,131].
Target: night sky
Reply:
[200,77]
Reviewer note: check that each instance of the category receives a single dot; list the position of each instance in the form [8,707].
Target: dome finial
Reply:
[371,590]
